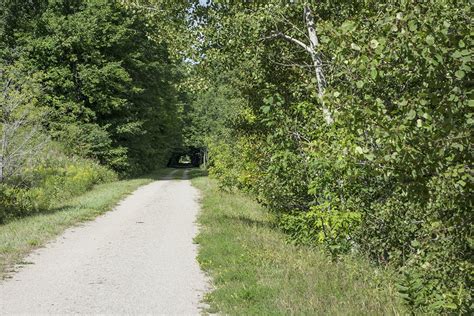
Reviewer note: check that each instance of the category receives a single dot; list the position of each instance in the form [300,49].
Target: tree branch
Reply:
[290,39]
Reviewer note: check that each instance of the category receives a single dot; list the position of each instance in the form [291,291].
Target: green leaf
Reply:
[459,74]
[347,26]
[411,115]
[359,84]
[430,40]
[355,47]
[265,109]
[450,306]
[268,100]
[373,73]
[458,146]
[457,54]
[373,44]
[370,157]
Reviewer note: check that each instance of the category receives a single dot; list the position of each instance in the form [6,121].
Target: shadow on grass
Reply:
[196,173]
[246,221]
[64,206]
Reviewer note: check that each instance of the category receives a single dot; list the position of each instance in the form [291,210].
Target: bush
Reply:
[17,202]
[53,180]
[391,176]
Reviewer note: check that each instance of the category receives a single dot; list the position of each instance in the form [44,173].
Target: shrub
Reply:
[53,180]
[18,202]
[391,176]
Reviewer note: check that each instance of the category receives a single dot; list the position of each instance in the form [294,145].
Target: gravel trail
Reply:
[137,259]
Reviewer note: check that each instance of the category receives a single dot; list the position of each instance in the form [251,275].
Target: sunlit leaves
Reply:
[109,77]
[398,88]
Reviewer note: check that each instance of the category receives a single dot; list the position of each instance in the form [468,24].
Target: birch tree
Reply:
[312,49]
[20,123]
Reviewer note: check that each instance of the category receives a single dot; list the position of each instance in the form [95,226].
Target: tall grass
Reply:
[53,177]
[255,271]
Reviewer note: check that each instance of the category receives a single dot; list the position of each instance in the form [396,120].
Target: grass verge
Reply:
[255,271]
[20,236]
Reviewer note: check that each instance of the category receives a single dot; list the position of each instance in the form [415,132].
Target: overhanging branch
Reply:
[290,39]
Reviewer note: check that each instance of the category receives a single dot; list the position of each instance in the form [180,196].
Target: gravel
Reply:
[137,259]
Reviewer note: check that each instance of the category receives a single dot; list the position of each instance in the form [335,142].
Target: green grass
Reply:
[20,236]
[255,271]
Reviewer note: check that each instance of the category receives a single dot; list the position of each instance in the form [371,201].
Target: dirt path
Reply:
[137,259]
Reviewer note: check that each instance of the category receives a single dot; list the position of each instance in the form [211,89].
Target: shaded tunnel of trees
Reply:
[357,133]
[186,157]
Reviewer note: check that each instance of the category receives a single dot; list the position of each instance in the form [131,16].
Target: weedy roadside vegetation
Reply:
[256,271]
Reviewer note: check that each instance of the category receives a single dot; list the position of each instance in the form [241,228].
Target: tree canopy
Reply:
[389,175]
[107,78]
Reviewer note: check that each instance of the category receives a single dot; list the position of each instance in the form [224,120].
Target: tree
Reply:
[20,122]
[391,177]
[312,49]
[108,79]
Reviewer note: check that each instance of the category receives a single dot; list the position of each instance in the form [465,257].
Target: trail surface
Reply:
[137,259]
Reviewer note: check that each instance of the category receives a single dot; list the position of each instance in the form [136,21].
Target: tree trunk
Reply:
[3,150]
[1,168]
[317,62]
[313,44]
[205,158]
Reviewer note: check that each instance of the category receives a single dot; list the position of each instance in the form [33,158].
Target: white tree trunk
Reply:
[315,56]
[313,44]
[1,168]
[19,128]
[317,62]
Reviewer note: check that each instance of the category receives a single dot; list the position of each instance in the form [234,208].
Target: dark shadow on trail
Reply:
[161,174]
[175,173]
[187,158]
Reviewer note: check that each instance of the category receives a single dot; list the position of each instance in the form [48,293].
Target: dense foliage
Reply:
[84,83]
[390,174]
[378,163]
[54,179]
[108,83]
